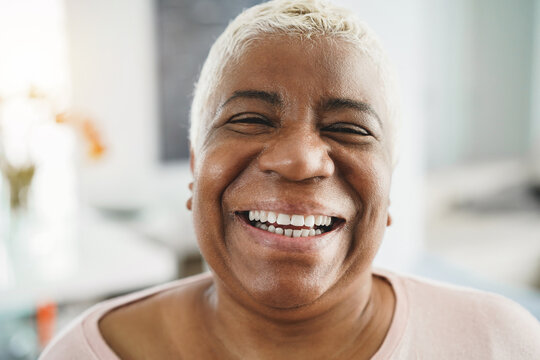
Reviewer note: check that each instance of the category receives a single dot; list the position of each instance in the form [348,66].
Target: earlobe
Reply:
[389,217]
[189,203]
[190,200]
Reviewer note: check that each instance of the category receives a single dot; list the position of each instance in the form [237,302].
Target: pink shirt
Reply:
[431,321]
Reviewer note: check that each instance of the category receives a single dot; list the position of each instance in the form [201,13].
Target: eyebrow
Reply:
[342,103]
[270,97]
[328,105]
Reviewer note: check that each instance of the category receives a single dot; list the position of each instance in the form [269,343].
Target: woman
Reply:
[293,133]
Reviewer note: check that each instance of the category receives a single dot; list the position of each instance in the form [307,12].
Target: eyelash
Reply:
[251,120]
[347,128]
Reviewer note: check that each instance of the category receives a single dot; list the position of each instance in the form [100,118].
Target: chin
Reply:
[289,290]
[285,298]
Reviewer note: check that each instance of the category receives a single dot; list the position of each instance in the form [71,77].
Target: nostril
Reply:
[296,163]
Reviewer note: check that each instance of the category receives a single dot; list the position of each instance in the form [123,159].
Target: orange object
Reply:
[88,130]
[61,118]
[91,134]
[45,322]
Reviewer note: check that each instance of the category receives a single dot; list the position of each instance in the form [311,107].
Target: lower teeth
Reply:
[288,232]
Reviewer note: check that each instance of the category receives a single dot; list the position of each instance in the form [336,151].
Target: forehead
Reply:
[305,71]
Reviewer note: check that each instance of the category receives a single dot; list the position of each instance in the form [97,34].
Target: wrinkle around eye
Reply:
[249,124]
[347,128]
[349,134]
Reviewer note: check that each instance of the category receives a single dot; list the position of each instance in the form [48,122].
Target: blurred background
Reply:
[94,103]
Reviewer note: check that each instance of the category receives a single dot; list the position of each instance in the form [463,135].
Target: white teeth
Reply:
[268,220]
[288,232]
[309,220]
[297,220]
[271,217]
[283,219]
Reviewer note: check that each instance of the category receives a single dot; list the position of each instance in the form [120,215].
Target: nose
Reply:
[297,156]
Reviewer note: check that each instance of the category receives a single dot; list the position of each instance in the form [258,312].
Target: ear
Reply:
[191,159]
[389,217]
[189,203]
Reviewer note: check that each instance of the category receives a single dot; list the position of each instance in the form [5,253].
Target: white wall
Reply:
[501,94]
[114,80]
[479,80]
[448,78]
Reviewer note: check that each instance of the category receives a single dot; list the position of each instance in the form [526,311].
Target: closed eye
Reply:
[250,124]
[250,120]
[347,128]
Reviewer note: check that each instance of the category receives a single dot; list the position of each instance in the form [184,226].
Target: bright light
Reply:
[33,55]
[33,47]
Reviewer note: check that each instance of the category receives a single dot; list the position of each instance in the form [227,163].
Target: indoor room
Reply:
[95,100]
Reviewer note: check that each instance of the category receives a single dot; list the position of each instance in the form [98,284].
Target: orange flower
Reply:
[61,118]
[86,126]
[82,124]
[96,148]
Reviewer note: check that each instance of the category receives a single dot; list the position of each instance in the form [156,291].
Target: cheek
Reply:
[217,167]
[218,164]
[367,176]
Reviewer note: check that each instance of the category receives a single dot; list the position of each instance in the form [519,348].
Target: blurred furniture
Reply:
[483,230]
[111,259]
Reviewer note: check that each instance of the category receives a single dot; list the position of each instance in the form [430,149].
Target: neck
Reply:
[350,319]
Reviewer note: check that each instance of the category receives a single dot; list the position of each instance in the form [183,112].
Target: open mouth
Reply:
[290,225]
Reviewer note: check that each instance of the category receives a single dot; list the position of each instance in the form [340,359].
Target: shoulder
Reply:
[76,340]
[454,300]
[89,336]
[466,320]
[71,343]
[144,328]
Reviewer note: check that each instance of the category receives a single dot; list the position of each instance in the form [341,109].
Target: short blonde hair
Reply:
[303,18]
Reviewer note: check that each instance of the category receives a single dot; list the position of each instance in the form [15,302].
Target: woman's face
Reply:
[296,128]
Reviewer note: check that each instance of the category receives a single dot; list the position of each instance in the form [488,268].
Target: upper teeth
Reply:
[285,219]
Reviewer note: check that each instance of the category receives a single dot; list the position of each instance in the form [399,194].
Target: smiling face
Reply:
[297,128]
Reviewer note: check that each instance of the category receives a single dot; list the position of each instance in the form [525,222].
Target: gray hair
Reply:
[305,19]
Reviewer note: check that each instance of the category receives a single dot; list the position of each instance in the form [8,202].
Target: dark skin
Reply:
[297,127]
